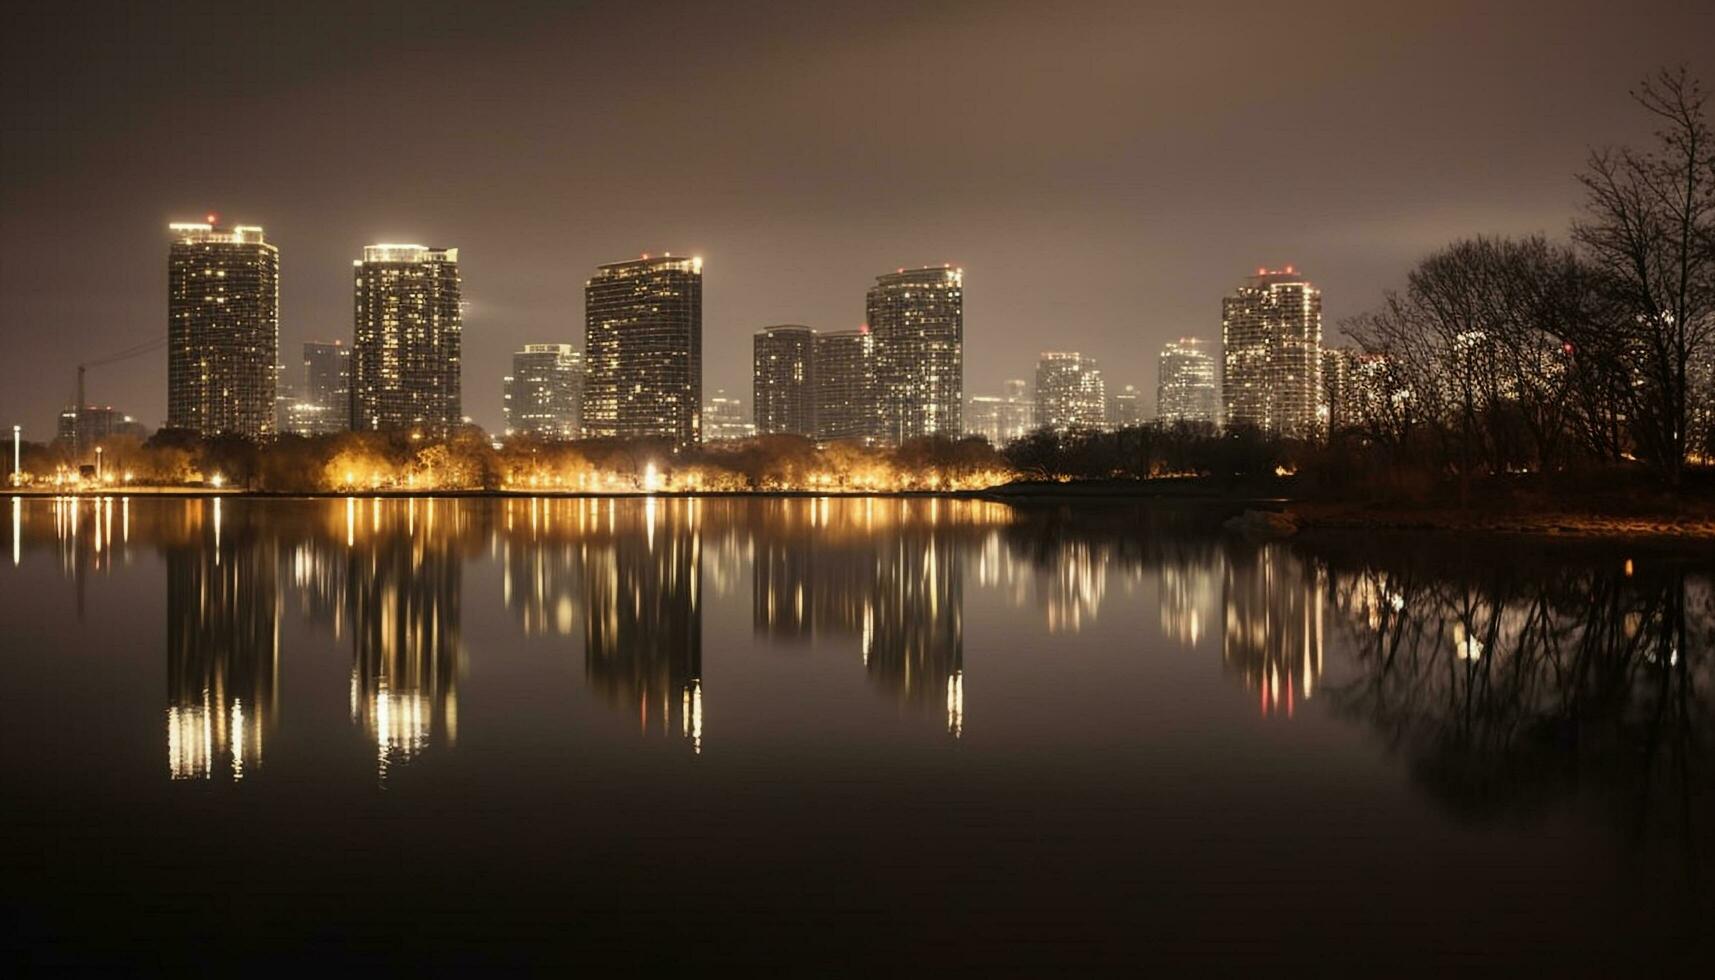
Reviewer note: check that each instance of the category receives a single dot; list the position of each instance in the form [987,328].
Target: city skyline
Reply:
[1116,240]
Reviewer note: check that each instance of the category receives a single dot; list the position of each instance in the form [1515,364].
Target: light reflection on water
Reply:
[1498,689]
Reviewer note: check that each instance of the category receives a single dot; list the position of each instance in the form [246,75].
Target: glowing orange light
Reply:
[212,218]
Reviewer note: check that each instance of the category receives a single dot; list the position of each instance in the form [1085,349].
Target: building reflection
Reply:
[403,583]
[1271,636]
[1511,687]
[643,635]
[223,642]
[886,576]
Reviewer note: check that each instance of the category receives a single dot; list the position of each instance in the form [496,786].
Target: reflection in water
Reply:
[1508,689]
[886,575]
[1272,634]
[403,590]
[1504,688]
[223,643]
[643,635]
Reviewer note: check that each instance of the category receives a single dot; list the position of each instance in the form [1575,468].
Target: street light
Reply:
[98,452]
[17,471]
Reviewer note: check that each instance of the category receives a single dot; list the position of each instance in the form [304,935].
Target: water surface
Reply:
[903,734]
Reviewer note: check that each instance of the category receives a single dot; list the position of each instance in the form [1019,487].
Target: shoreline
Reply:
[1310,515]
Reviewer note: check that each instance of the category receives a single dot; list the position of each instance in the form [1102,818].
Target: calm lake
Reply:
[903,735]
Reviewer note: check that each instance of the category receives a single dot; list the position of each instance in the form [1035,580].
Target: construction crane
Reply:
[79,404]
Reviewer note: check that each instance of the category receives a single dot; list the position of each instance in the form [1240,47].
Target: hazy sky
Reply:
[1103,172]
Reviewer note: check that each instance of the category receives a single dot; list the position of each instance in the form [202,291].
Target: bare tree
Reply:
[1650,231]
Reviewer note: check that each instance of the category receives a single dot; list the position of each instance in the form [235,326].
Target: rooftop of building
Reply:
[209,232]
[928,273]
[647,262]
[393,252]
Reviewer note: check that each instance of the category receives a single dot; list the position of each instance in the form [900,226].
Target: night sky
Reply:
[1102,172]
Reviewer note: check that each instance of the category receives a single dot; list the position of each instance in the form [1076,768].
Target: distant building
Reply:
[1001,419]
[918,318]
[1185,385]
[783,380]
[1354,388]
[544,392]
[223,329]
[405,371]
[327,388]
[845,386]
[643,350]
[725,419]
[1070,393]
[1271,346]
[284,396]
[1125,408]
[84,428]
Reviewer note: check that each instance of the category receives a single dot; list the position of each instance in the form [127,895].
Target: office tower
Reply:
[783,380]
[1125,408]
[223,329]
[845,385]
[544,392]
[406,352]
[1271,342]
[918,318]
[1354,388]
[643,350]
[725,418]
[1185,386]
[1069,392]
[327,386]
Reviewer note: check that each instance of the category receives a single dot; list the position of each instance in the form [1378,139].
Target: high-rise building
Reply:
[845,385]
[1125,408]
[724,418]
[1070,393]
[1271,343]
[544,392]
[223,329]
[643,350]
[327,386]
[918,317]
[783,380]
[406,354]
[1185,385]
[1001,419]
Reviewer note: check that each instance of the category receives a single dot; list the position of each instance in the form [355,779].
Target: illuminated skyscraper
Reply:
[918,317]
[544,392]
[1070,393]
[405,361]
[783,380]
[1185,387]
[223,329]
[1271,343]
[643,350]
[845,385]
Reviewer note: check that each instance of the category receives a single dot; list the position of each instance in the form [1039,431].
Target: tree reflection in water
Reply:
[1510,686]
